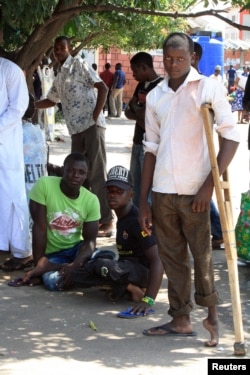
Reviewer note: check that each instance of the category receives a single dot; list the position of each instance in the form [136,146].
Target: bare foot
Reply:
[34,281]
[136,292]
[181,324]
[36,272]
[32,277]
[213,329]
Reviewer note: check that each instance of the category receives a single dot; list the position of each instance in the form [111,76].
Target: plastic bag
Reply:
[35,155]
[242,229]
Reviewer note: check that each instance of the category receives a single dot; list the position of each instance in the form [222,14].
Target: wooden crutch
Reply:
[222,190]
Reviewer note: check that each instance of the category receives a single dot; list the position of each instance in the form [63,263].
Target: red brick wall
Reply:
[242,56]
[117,56]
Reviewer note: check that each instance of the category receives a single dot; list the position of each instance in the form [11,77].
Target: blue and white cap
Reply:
[119,176]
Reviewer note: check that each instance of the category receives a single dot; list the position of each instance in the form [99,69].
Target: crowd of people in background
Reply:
[236,93]
[234,88]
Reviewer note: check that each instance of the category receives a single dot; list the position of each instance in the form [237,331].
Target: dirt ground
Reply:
[43,332]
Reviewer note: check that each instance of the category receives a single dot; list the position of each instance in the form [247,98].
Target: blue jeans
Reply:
[51,279]
[136,164]
[216,230]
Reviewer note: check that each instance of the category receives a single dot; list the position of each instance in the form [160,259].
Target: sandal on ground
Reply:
[19,282]
[128,315]
[216,244]
[166,330]
[16,264]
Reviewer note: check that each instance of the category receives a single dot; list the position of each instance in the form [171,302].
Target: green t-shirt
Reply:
[65,216]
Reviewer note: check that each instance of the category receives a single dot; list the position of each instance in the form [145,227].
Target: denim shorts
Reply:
[51,279]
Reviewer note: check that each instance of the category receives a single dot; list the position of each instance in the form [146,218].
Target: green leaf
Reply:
[92,325]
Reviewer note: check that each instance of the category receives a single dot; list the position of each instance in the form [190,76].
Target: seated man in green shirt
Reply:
[66,219]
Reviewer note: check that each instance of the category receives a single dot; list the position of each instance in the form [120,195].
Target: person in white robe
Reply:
[14,227]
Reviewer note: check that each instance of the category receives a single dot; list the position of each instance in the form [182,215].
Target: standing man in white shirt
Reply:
[177,166]
[216,75]
[14,233]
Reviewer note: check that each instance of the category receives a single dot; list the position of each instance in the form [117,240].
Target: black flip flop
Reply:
[19,282]
[168,332]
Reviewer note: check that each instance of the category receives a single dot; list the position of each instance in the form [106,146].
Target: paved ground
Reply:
[43,332]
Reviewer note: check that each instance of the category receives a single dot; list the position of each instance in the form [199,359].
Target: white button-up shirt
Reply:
[74,88]
[175,132]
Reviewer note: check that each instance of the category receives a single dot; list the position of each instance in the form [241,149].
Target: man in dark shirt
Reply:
[108,77]
[143,71]
[139,269]
[231,75]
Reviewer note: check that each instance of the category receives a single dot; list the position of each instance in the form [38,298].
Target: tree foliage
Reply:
[29,27]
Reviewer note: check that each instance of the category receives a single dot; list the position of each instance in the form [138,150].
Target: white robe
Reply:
[14,223]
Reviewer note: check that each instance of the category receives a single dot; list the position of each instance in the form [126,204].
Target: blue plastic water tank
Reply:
[212,52]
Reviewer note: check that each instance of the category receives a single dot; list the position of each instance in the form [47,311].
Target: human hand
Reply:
[95,116]
[145,219]
[65,281]
[140,308]
[202,199]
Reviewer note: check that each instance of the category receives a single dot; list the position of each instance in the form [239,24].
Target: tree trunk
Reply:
[32,52]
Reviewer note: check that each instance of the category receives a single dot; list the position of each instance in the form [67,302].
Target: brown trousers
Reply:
[180,232]
[91,142]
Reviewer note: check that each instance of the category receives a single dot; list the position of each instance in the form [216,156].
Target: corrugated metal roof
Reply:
[236,44]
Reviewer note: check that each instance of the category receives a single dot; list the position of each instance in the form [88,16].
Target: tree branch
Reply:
[109,8]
